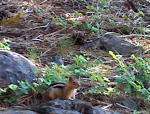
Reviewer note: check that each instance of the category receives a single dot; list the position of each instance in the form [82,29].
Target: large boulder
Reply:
[68,107]
[13,67]
[58,107]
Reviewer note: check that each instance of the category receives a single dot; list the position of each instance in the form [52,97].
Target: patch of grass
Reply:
[60,21]
[32,55]
[96,24]
[89,27]
[66,45]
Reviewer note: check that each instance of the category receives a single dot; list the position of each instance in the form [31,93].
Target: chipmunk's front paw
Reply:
[71,99]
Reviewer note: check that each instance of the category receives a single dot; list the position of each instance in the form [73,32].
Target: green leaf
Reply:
[30,86]
[61,23]
[39,71]
[3,90]
[101,80]
[117,90]
[106,79]
[119,81]
[22,84]
[77,71]
[127,72]
[118,68]
[144,91]
[93,78]
[74,22]
[113,55]
[91,8]
[94,91]
[133,84]
[104,2]
[140,83]
[117,74]
[12,99]
[13,87]
[149,89]
[141,13]
[24,91]
[127,88]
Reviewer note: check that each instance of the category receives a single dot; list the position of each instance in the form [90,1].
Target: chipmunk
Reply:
[61,90]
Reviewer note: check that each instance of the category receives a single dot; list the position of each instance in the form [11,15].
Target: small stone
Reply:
[119,46]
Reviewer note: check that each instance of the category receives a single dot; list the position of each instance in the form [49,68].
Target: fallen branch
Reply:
[134,35]
[104,107]
[124,107]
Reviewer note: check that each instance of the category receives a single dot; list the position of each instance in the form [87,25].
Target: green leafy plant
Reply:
[59,73]
[81,66]
[96,25]
[75,22]
[77,14]
[89,27]
[114,7]
[113,22]
[141,13]
[95,91]
[97,6]
[104,2]
[3,91]
[134,83]
[60,21]
[4,45]
[11,100]
[80,61]
[18,90]
[91,8]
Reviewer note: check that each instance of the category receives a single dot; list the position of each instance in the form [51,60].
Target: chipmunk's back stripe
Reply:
[55,83]
[60,87]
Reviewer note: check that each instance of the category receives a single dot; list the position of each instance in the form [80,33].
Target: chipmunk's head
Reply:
[73,82]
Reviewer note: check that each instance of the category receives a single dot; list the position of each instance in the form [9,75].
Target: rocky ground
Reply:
[49,28]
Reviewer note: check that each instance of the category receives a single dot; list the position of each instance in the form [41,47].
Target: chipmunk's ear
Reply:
[70,78]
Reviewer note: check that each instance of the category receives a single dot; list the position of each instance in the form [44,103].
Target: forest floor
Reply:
[47,28]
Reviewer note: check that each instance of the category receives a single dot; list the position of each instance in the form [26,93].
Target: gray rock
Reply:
[127,102]
[69,107]
[58,60]
[119,46]
[58,107]
[15,67]
[12,111]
